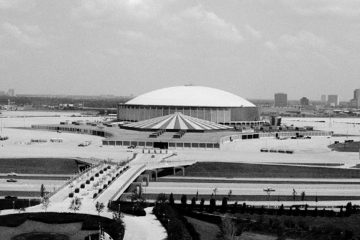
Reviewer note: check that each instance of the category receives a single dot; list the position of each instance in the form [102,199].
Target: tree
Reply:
[42,190]
[215,191]
[224,204]
[202,202]
[281,210]
[229,229]
[294,193]
[161,198]
[303,196]
[212,204]
[229,194]
[193,203]
[45,202]
[183,200]
[99,207]
[171,199]
[75,204]
[348,209]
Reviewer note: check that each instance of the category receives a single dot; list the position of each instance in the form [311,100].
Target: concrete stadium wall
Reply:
[216,114]
[171,145]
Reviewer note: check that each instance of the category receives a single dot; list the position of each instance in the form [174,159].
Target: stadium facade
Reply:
[204,103]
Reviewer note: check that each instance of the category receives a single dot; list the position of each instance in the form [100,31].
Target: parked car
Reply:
[11,180]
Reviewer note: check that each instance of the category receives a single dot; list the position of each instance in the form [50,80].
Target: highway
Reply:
[254,188]
[29,185]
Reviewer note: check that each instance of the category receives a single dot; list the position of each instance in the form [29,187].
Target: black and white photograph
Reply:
[180,120]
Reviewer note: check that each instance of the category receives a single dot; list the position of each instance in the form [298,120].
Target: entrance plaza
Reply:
[167,140]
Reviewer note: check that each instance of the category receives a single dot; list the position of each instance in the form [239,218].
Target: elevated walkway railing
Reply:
[128,182]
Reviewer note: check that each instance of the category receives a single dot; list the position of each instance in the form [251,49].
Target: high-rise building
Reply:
[357,93]
[280,99]
[323,99]
[304,101]
[355,102]
[333,100]
[11,92]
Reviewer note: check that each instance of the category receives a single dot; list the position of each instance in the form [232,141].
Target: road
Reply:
[253,188]
[29,185]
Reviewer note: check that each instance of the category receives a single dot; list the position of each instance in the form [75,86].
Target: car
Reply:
[11,180]
[10,197]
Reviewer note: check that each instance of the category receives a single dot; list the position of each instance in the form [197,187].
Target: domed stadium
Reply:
[199,102]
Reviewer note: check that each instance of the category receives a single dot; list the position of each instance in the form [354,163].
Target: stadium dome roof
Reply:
[193,96]
[176,121]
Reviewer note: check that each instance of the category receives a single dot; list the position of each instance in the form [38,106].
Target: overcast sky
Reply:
[252,48]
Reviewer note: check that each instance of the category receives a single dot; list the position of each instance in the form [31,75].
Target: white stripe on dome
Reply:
[169,122]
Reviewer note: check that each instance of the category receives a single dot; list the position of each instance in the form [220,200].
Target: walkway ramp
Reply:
[116,189]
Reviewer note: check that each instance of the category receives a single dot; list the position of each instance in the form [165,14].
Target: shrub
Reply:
[202,202]
[100,190]
[105,186]
[82,185]
[87,182]
[96,174]
[193,203]
[77,190]
[109,182]
[71,195]
[92,179]
[95,195]
[212,204]
[118,174]
[113,178]
[101,171]
[224,205]
[183,200]
[171,199]
[109,167]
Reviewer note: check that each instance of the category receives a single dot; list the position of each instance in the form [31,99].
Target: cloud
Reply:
[341,8]
[305,46]
[185,22]
[16,5]
[253,32]
[198,22]
[302,40]
[29,35]
[270,45]
[114,9]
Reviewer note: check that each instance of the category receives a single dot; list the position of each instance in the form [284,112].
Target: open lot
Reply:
[243,170]
[38,165]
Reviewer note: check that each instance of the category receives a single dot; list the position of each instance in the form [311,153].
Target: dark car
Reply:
[11,180]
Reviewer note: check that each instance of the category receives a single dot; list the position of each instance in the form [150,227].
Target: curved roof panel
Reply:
[192,96]
[176,121]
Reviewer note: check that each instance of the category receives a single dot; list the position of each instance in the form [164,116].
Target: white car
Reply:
[12,174]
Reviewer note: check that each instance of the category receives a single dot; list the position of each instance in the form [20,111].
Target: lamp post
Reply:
[268,192]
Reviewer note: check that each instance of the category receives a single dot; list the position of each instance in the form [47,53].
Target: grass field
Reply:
[207,231]
[346,147]
[38,165]
[243,170]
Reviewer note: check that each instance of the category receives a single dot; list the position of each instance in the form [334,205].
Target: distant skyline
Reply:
[253,48]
